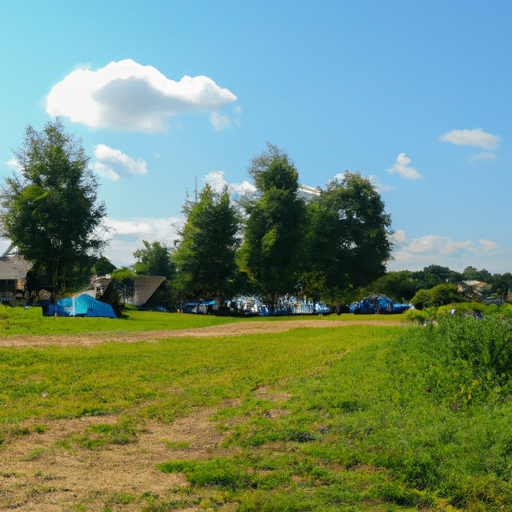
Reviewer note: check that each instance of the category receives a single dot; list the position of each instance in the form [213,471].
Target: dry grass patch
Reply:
[50,471]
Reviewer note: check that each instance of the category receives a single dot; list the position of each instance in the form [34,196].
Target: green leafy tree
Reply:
[206,254]
[470,274]
[103,266]
[502,284]
[49,208]
[347,241]
[439,295]
[399,286]
[445,274]
[120,274]
[154,260]
[271,252]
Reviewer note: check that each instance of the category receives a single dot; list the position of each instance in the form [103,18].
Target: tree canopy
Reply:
[206,254]
[270,254]
[154,260]
[49,208]
[347,241]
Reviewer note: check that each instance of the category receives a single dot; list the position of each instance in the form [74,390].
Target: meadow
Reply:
[355,417]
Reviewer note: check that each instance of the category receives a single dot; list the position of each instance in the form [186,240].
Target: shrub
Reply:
[415,315]
[485,346]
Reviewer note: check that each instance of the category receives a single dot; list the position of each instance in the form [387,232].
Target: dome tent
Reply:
[83,305]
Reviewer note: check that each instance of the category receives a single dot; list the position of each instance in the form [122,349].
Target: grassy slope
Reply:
[368,429]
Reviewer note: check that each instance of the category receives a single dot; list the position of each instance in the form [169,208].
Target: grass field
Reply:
[30,321]
[351,418]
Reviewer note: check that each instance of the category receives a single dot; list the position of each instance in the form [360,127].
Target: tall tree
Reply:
[270,254]
[154,260]
[49,208]
[205,255]
[347,241]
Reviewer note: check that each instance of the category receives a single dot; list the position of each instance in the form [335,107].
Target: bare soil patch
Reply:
[236,329]
[37,473]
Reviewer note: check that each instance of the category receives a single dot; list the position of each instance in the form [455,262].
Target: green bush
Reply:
[475,357]
[416,315]
[506,310]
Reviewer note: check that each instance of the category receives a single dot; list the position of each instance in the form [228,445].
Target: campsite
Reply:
[169,411]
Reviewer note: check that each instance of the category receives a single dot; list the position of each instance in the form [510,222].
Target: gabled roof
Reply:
[13,265]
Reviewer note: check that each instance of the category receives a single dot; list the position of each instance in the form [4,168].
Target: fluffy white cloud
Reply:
[219,122]
[437,250]
[378,186]
[400,168]
[216,180]
[399,237]
[125,236]
[128,96]
[488,246]
[476,138]
[483,156]
[14,164]
[114,164]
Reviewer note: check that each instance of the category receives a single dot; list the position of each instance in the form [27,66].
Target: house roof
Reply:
[14,267]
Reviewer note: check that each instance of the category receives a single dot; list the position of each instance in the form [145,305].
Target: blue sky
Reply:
[414,95]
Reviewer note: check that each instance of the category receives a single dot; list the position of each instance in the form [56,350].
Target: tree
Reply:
[445,274]
[399,286]
[439,295]
[270,254]
[49,208]
[154,260]
[205,255]
[347,241]
[103,266]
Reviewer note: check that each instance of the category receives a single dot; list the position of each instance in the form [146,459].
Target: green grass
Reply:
[31,321]
[379,417]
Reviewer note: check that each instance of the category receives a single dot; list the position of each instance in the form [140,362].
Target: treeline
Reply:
[276,241]
[329,244]
[404,285]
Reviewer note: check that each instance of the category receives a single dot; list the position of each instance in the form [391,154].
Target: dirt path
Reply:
[235,329]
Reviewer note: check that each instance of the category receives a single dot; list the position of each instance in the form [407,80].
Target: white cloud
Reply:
[14,164]
[128,96]
[125,236]
[488,246]
[399,237]
[219,122]
[114,164]
[400,168]
[216,180]
[476,138]
[483,156]
[378,186]
[456,255]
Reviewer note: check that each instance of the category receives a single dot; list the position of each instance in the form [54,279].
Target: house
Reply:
[13,274]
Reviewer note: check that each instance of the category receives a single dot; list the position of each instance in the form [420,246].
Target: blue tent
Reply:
[83,305]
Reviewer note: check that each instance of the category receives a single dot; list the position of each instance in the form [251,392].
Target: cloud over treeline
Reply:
[128,96]
[475,138]
[427,250]
[115,164]
[401,167]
